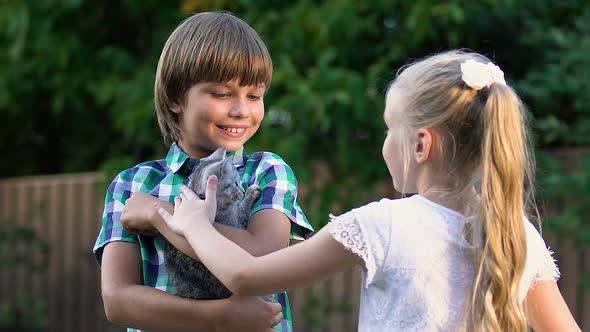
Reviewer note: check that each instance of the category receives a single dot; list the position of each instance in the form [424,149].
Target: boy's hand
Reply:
[249,314]
[138,215]
[189,210]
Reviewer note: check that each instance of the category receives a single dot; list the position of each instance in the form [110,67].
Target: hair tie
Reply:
[478,75]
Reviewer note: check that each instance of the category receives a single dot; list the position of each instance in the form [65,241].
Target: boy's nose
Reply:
[240,110]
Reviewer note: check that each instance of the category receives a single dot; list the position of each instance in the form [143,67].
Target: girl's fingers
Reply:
[163,213]
[211,191]
[188,193]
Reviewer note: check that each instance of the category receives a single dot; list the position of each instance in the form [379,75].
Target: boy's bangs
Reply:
[248,63]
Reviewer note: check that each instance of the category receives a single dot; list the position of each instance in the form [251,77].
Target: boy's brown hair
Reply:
[207,47]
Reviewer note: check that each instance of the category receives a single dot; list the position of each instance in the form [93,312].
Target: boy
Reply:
[211,79]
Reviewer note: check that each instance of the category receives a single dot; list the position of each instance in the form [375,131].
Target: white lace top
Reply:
[417,266]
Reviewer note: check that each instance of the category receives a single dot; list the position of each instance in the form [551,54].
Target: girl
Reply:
[459,255]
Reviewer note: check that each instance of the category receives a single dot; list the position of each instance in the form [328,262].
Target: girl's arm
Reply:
[297,266]
[312,260]
[547,310]
[268,230]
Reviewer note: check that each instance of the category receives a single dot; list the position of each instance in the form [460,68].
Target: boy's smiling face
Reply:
[219,114]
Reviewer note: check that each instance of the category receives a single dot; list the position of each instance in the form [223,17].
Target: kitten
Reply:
[191,278]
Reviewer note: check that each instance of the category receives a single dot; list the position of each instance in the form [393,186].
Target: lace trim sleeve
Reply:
[347,230]
[541,265]
[547,269]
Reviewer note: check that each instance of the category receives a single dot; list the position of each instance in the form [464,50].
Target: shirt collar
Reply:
[176,158]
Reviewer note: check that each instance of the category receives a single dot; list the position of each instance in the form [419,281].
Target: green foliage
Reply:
[77,80]
[557,83]
[565,180]
[555,88]
[317,311]
[21,246]
[22,313]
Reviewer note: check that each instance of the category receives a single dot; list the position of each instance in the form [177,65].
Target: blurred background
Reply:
[76,107]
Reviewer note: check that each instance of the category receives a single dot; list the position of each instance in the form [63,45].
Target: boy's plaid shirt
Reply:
[163,179]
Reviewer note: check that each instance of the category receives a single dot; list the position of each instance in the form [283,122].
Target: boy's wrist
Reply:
[156,220]
[215,315]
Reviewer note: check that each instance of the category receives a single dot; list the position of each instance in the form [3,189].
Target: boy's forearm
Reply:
[154,310]
[268,231]
[241,237]
[256,244]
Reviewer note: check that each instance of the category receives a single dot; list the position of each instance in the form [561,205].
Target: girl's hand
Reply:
[190,211]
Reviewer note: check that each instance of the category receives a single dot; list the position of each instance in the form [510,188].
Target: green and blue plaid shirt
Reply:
[163,179]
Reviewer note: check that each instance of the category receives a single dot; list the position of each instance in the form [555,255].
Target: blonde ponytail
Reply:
[502,255]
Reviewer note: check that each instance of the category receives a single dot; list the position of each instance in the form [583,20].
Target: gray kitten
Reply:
[191,278]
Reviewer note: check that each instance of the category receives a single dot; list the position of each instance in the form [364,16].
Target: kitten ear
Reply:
[219,154]
[226,167]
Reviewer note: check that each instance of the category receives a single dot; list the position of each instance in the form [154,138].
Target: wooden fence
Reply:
[65,210]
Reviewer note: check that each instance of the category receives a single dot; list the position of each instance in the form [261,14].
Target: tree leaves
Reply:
[76,90]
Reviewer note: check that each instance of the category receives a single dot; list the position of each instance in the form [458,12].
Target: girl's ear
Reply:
[176,108]
[424,142]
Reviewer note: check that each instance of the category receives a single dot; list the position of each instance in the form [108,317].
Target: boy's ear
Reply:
[424,142]
[176,108]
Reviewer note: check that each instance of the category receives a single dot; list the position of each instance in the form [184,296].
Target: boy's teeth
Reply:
[234,130]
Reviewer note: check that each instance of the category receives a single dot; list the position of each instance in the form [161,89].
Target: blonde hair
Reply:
[206,47]
[482,146]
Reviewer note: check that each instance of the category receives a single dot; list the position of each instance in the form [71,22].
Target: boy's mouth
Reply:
[233,131]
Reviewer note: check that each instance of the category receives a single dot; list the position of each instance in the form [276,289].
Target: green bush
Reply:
[76,88]
[77,81]
[20,246]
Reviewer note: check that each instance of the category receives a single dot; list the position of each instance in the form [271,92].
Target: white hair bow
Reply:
[478,75]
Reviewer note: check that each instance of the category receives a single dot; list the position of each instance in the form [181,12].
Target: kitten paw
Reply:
[253,191]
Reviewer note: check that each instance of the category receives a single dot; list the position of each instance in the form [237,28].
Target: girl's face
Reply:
[219,114]
[393,147]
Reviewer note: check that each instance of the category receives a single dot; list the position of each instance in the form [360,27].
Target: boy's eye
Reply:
[220,94]
[254,97]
